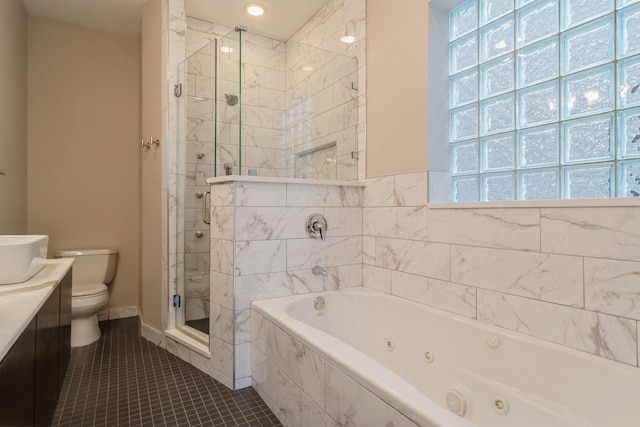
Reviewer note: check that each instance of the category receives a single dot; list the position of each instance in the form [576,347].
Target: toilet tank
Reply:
[91,265]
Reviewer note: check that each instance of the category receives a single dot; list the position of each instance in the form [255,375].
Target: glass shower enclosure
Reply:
[252,105]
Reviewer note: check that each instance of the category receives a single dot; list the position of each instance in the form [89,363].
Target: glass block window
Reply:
[544,99]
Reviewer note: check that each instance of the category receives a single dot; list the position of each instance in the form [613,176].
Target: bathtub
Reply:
[362,358]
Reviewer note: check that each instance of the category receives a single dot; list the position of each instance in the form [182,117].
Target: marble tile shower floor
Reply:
[124,380]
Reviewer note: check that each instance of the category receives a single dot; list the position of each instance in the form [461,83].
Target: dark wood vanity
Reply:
[32,372]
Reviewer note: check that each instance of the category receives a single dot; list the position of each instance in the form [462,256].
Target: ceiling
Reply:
[282,19]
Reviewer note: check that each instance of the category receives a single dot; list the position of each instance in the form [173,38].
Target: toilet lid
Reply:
[85,289]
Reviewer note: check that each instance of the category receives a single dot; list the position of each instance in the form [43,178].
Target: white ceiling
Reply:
[282,19]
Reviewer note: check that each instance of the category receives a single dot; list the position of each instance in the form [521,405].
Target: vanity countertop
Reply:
[20,303]
[246,178]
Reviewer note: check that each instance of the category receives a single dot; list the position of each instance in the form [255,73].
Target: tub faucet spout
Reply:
[319,271]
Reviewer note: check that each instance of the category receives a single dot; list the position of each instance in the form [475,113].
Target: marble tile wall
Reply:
[303,388]
[260,249]
[566,275]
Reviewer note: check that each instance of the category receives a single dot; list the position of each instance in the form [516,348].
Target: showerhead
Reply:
[231,99]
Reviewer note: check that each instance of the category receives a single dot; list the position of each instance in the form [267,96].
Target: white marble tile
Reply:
[221,356]
[611,286]
[600,334]
[222,194]
[123,312]
[379,192]
[242,356]
[323,195]
[222,289]
[333,251]
[242,326]
[350,404]
[368,250]
[215,319]
[304,367]
[422,258]
[260,194]
[268,223]
[346,276]
[343,221]
[436,293]
[412,189]
[376,278]
[199,25]
[266,256]
[258,331]
[294,407]
[222,223]
[273,285]
[547,277]
[226,325]
[496,228]
[611,232]
[200,130]
[195,308]
[396,222]
[195,244]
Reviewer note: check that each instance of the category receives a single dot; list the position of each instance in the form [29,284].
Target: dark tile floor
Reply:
[124,380]
[200,324]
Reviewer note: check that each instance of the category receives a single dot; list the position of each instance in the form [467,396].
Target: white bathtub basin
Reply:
[21,257]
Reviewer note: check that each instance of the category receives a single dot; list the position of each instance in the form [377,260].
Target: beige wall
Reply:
[151,206]
[396,86]
[83,130]
[13,117]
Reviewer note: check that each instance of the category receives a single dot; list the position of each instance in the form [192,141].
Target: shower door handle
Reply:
[205,210]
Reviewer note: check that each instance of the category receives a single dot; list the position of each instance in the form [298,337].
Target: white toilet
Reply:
[93,269]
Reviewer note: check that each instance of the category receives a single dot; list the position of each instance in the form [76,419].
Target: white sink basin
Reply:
[21,257]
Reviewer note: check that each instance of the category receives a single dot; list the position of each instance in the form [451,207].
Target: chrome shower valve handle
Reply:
[316,226]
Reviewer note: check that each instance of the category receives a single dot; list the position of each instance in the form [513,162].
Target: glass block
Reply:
[463,54]
[575,12]
[464,123]
[588,181]
[538,62]
[629,134]
[623,3]
[497,153]
[538,184]
[588,92]
[538,105]
[628,34]
[536,22]
[629,82]
[496,77]
[497,115]
[521,3]
[464,157]
[463,88]
[629,179]
[498,186]
[538,147]
[463,19]
[588,140]
[494,9]
[465,188]
[588,46]
[496,39]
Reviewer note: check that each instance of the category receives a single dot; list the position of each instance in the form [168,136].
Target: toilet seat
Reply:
[88,290]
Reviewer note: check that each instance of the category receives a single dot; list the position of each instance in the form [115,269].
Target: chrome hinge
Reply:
[176,300]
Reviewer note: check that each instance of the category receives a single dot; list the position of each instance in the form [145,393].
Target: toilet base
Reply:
[85,331]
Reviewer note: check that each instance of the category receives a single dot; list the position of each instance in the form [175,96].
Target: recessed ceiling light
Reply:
[255,9]
[307,68]
[226,49]
[347,39]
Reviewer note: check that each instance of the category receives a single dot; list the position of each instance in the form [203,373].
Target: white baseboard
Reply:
[153,335]
[122,312]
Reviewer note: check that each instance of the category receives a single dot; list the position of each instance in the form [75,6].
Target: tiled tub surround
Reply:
[309,367]
[565,273]
[260,249]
